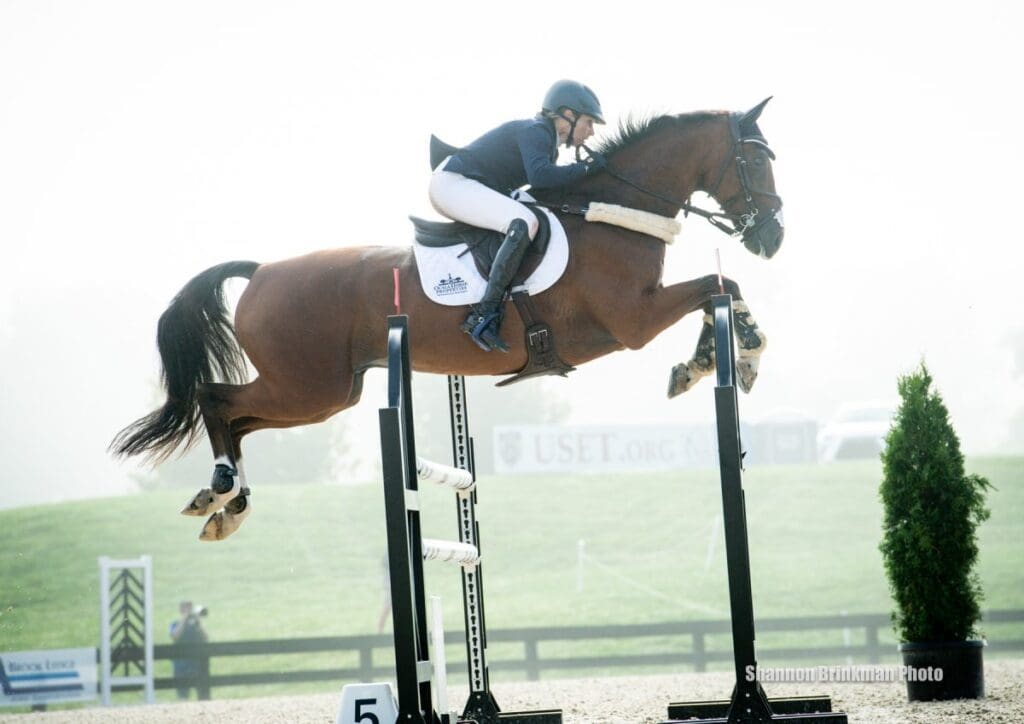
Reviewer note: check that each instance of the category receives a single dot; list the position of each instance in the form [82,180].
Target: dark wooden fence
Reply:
[709,642]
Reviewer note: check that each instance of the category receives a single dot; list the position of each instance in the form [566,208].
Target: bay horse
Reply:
[312,325]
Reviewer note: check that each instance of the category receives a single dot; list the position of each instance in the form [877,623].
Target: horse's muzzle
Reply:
[765,237]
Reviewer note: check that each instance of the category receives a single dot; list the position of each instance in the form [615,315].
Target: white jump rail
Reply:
[403,472]
[428,470]
[465,555]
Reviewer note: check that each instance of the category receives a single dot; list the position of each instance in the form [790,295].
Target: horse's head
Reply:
[663,159]
[745,186]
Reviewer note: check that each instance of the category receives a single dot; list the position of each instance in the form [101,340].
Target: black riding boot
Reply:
[484,320]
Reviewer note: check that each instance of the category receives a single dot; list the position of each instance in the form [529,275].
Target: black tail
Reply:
[197,343]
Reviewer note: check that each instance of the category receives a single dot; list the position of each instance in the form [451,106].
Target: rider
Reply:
[474,183]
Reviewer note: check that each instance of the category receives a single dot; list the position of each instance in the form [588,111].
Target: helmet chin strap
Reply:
[572,128]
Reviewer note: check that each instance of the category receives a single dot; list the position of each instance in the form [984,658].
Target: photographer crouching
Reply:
[185,630]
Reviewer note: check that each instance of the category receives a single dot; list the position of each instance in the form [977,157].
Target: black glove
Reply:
[596,162]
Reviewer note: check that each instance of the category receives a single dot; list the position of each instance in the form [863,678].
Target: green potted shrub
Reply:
[929,545]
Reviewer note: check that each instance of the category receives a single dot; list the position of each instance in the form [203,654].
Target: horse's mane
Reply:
[632,129]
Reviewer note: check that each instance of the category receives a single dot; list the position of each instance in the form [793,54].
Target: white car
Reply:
[857,431]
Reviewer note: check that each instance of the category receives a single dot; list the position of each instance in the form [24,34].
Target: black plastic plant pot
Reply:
[944,670]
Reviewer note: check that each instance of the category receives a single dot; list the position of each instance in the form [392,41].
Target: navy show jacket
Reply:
[514,154]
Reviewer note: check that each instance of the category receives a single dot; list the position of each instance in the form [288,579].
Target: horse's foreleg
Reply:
[669,304]
[686,374]
[663,307]
[752,342]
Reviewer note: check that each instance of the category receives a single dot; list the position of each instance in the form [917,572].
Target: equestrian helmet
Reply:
[574,96]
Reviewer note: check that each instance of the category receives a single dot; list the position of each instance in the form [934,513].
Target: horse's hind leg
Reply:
[226,483]
[233,412]
[237,507]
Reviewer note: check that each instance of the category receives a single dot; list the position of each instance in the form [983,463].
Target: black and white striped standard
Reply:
[407,549]
[749,704]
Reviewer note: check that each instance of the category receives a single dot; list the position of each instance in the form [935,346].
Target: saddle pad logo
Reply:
[451,285]
[448,275]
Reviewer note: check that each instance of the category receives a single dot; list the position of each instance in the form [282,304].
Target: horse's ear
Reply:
[750,117]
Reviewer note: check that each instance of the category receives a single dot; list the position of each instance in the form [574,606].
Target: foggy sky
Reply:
[141,143]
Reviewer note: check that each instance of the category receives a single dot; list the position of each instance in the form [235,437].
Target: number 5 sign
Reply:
[367,704]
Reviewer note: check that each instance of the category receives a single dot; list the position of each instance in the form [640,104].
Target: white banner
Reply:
[603,448]
[47,677]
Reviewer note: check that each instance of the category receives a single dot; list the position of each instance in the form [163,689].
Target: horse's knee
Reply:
[731,288]
[719,285]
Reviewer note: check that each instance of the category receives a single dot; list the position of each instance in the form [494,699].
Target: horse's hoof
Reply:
[746,371]
[224,523]
[200,504]
[681,379]
[225,486]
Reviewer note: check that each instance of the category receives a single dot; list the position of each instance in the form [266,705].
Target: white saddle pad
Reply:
[453,280]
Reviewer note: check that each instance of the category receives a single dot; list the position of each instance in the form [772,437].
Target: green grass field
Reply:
[308,562]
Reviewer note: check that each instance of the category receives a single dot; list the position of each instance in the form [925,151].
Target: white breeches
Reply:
[463,199]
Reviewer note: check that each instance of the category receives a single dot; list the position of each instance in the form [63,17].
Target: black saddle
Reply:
[482,243]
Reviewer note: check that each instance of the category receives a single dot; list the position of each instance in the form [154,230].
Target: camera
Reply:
[200,611]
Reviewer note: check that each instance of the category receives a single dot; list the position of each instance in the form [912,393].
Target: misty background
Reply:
[141,143]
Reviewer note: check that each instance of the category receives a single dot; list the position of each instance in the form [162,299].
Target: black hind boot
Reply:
[484,321]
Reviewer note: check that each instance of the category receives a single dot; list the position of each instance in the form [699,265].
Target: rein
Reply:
[686,206]
[738,224]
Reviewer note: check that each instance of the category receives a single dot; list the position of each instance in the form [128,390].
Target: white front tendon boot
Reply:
[752,342]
